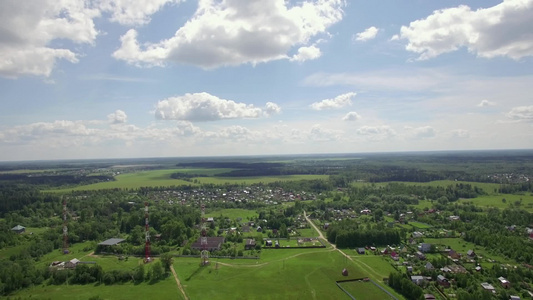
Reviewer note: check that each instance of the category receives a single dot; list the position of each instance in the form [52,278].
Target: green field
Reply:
[261,179]
[364,290]
[496,201]
[294,274]
[164,289]
[157,178]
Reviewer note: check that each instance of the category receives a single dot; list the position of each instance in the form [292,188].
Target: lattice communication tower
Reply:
[147,257]
[204,255]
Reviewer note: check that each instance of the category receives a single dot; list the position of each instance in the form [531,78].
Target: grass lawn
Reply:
[307,232]
[164,289]
[364,290]
[420,225]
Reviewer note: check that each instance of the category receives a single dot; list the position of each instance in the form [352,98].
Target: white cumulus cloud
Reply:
[232,32]
[337,102]
[206,107]
[351,116]
[133,12]
[307,53]
[118,117]
[271,109]
[28,28]
[521,113]
[500,30]
[368,34]
[486,103]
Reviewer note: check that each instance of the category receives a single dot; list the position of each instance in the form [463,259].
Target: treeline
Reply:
[185,176]
[348,234]
[53,180]
[516,188]
[17,196]
[405,286]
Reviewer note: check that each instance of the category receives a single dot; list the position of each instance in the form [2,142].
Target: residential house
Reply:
[429,266]
[326,226]
[429,297]
[268,243]
[504,282]
[410,269]
[488,287]
[514,298]
[417,279]
[420,255]
[249,244]
[471,254]
[366,211]
[454,218]
[443,281]
[71,264]
[214,243]
[454,254]
[361,250]
[417,234]
[424,247]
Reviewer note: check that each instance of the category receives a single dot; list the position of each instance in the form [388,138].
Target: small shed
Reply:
[18,229]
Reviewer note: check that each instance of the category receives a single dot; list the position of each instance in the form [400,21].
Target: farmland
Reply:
[367,202]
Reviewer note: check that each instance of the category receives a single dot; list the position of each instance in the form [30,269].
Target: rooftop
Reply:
[111,242]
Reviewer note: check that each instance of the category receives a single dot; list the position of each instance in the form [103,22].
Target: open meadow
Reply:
[163,289]
[158,178]
[362,290]
[280,274]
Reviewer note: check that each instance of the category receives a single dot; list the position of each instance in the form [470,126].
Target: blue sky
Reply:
[152,78]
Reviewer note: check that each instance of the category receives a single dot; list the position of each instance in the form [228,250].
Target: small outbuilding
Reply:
[18,229]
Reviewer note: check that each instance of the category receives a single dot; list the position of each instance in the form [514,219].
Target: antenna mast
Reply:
[203,240]
[65,228]
[147,234]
